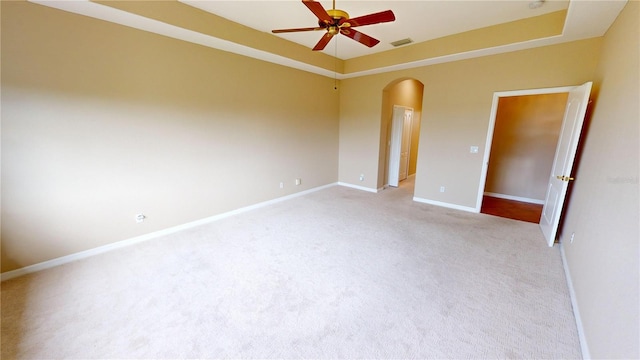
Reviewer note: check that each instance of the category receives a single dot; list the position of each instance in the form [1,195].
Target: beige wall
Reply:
[524,143]
[456,108]
[101,122]
[603,207]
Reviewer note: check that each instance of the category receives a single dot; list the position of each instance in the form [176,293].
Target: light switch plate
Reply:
[473,149]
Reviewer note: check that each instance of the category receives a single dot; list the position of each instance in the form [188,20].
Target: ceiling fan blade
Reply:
[317,9]
[360,37]
[380,17]
[323,42]
[296,30]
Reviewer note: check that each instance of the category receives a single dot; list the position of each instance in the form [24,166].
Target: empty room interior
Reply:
[179,181]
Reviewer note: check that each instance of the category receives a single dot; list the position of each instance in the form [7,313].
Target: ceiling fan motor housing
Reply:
[338,17]
[338,14]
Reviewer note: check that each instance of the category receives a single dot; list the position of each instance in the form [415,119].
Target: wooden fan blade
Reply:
[317,9]
[296,30]
[360,37]
[381,17]
[323,42]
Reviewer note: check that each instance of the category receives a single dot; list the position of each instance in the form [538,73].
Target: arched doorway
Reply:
[401,93]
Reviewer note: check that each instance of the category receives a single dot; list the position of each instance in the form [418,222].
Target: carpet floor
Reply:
[338,273]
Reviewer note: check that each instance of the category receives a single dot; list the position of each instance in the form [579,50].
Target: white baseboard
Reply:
[574,304]
[138,239]
[515,198]
[358,187]
[447,205]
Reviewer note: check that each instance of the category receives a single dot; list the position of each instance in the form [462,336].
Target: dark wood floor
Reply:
[511,209]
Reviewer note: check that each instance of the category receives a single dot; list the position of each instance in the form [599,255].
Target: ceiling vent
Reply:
[402,42]
[536,4]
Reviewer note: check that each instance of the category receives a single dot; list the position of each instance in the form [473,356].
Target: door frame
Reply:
[492,123]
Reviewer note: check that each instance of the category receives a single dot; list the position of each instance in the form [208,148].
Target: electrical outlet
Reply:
[441,188]
[140,218]
[281,185]
[361,177]
[298,181]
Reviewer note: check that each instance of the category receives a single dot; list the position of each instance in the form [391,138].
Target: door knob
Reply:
[564,178]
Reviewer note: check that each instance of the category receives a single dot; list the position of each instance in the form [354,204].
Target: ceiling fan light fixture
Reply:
[402,42]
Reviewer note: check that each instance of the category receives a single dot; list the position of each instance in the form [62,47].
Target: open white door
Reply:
[397,123]
[563,162]
[405,148]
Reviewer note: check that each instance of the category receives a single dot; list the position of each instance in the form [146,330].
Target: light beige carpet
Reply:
[338,273]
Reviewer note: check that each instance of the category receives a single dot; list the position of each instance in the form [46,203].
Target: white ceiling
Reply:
[418,20]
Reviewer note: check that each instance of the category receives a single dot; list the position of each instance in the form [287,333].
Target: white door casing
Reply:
[560,176]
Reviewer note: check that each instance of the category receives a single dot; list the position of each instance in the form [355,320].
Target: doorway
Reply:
[525,134]
[559,175]
[406,93]
[399,145]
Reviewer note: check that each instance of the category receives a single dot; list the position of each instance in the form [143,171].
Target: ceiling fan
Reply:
[336,21]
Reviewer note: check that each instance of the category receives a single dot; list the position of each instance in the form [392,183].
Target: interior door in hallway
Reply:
[405,147]
[563,162]
[400,146]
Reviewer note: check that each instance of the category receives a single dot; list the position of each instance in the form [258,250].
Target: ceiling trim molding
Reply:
[574,30]
[113,15]
[530,44]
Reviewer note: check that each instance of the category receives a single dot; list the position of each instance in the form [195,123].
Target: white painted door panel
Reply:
[563,162]
[397,122]
[406,145]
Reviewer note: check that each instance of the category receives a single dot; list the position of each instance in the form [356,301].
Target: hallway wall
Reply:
[524,142]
